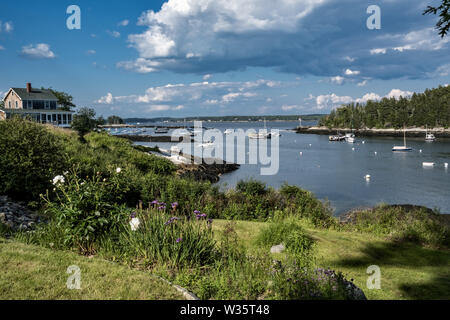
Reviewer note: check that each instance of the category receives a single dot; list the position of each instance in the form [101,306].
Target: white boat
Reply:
[161,130]
[261,135]
[350,138]
[428,164]
[429,136]
[228,131]
[403,148]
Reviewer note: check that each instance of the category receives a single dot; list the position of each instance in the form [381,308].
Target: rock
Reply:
[355,293]
[277,249]
[16,215]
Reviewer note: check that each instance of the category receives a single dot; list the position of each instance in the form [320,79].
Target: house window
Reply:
[17,105]
[53,105]
[69,118]
[64,118]
[59,119]
[9,104]
[44,118]
[54,118]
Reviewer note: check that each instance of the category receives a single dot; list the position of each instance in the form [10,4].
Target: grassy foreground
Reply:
[407,271]
[32,272]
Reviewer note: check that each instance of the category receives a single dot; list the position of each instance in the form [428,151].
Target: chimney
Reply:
[29,87]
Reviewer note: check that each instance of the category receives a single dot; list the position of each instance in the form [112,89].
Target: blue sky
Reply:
[222,57]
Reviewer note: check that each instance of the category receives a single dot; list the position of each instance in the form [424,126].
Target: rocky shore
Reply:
[410,132]
[16,216]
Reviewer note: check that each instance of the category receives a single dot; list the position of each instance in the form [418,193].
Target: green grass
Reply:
[408,271]
[32,272]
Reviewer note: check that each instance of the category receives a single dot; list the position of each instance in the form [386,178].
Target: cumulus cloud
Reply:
[123,23]
[209,93]
[311,37]
[337,80]
[362,83]
[349,72]
[331,101]
[38,51]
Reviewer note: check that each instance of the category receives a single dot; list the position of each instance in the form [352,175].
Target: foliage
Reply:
[64,100]
[115,120]
[292,236]
[30,156]
[164,238]
[251,187]
[84,121]
[443,25]
[84,210]
[417,225]
[431,108]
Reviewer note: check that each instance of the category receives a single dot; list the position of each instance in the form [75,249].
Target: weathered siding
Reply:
[12,98]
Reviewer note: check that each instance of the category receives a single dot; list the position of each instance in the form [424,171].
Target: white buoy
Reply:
[310,145]
[420,150]
[363,142]
[367,177]
[446,165]
[375,153]
[353,149]
[301,154]
[428,164]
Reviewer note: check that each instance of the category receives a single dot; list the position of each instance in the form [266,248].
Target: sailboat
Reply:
[404,147]
[261,135]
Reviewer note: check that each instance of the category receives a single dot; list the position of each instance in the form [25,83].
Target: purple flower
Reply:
[196,212]
[179,240]
[210,221]
[155,202]
[174,205]
[133,215]
[172,220]
[162,208]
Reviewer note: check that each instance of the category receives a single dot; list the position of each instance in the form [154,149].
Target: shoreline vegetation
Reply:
[375,132]
[102,197]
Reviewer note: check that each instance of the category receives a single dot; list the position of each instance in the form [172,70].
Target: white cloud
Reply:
[337,80]
[349,59]
[2,48]
[349,72]
[114,34]
[6,27]
[108,99]
[378,51]
[207,76]
[123,23]
[91,52]
[38,51]
[139,65]
[397,93]
[291,107]
[425,39]
[362,83]
[331,100]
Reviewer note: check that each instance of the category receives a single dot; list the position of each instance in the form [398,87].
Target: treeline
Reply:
[309,117]
[430,108]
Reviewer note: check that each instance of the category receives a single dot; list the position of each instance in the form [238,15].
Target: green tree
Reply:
[84,121]
[443,25]
[115,120]
[64,99]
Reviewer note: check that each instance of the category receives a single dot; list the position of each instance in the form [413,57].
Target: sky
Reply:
[181,58]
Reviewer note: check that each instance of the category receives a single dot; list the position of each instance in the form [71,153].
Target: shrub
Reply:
[251,187]
[30,156]
[84,209]
[161,237]
[298,244]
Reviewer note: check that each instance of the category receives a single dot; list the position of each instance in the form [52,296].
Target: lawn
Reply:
[407,271]
[31,272]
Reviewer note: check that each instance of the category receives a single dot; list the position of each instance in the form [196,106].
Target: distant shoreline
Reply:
[410,132]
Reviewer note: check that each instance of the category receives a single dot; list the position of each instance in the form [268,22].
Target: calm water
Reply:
[333,171]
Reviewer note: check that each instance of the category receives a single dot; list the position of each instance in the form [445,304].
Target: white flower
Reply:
[58,180]
[118,170]
[134,224]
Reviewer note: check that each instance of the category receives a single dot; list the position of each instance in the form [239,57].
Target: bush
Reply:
[251,187]
[84,210]
[160,237]
[298,244]
[30,156]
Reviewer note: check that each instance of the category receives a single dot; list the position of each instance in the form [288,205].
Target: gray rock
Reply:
[277,249]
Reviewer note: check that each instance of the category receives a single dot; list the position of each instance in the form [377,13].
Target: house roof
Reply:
[35,94]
